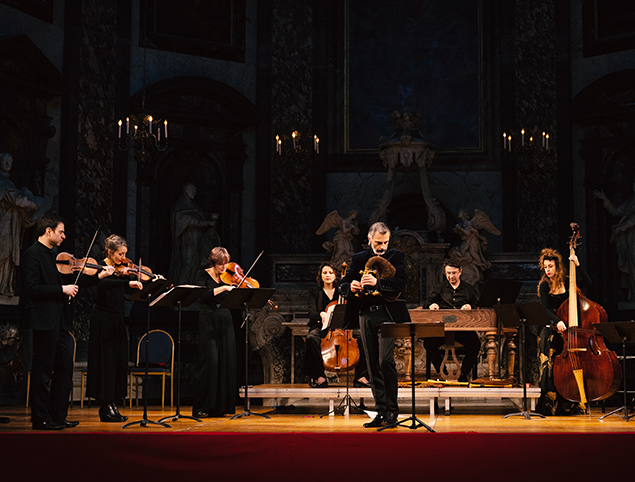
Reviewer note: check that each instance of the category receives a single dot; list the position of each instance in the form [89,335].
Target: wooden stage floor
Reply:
[476,416]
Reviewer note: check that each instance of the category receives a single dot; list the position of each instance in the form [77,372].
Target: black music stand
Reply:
[519,315]
[244,299]
[619,332]
[499,292]
[149,291]
[418,330]
[337,322]
[182,295]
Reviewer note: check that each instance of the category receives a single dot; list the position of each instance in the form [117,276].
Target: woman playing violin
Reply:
[553,291]
[216,387]
[108,339]
[319,297]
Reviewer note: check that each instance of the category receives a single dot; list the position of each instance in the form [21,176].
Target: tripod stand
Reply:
[420,330]
[245,298]
[337,322]
[146,294]
[180,296]
[619,332]
[520,315]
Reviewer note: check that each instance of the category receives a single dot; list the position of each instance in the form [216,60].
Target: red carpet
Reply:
[308,457]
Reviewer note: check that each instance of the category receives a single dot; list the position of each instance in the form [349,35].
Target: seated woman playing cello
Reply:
[319,298]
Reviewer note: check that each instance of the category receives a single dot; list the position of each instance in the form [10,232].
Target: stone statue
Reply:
[193,237]
[342,247]
[470,253]
[19,209]
[623,236]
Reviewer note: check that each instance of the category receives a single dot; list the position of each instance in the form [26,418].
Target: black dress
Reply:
[550,345]
[313,363]
[216,380]
[108,342]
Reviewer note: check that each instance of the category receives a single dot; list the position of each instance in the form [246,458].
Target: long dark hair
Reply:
[319,275]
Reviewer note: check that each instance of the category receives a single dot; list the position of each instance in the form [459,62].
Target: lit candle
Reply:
[547,141]
[317,145]
[504,140]
[509,143]
[135,130]
[293,135]
[279,147]
[165,124]
[531,139]
[150,123]
[119,128]
[543,139]
[127,125]
[522,139]
[314,142]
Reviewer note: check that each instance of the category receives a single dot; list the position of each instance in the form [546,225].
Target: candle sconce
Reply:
[526,149]
[292,148]
[144,134]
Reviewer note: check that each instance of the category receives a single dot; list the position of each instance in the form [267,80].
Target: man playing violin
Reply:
[370,312]
[45,300]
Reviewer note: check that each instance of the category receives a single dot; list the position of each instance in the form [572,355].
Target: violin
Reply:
[128,268]
[69,264]
[586,370]
[340,351]
[235,276]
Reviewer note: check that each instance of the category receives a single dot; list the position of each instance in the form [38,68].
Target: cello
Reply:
[340,351]
[586,370]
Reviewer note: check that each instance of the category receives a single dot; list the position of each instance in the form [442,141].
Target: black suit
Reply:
[44,308]
[369,312]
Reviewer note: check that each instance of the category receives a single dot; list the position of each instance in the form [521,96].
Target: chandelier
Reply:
[143,133]
[531,149]
[294,149]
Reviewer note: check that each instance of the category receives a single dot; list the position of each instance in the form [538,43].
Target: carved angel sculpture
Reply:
[346,229]
[470,253]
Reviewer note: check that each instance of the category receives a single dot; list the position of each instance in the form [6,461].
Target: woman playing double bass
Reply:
[216,388]
[319,298]
[553,291]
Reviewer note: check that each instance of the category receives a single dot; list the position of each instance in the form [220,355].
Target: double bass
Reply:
[340,352]
[586,370]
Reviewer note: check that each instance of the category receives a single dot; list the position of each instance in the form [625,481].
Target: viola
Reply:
[68,264]
[340,351]
[235,276]
[586,370]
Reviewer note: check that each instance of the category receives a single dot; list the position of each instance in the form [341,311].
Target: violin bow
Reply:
[87,253]
[250,268]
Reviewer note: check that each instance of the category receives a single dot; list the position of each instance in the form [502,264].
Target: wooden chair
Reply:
[161,363]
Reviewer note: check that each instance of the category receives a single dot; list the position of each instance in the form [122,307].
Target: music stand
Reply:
[337,322]
[182,295]
[412,330]
[619,332]
[149,291]
[499,292]
[245,298]
[519,315]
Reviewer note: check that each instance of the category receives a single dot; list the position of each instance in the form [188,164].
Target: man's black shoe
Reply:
[47,425]
[378,421]
[69,424]
[390,418]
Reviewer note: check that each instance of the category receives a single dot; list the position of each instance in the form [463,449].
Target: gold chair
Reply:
[160,361]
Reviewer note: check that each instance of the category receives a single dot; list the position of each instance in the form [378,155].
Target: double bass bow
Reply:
[340,351]
[586,370]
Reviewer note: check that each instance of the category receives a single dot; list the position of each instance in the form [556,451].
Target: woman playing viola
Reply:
[216,387]
[319,297]
[553,291]
[108,339]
